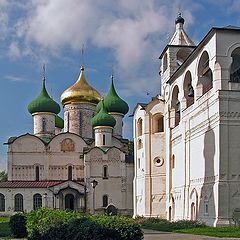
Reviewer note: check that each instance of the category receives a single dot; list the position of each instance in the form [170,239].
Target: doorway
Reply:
[69,202]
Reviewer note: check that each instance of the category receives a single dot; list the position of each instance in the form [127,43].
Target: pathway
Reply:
[155,235]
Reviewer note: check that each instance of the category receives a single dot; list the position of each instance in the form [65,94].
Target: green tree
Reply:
[3,176]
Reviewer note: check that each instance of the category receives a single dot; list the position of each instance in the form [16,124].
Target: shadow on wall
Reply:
[207,208]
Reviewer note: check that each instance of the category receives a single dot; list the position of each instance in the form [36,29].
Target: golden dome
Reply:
[80,91]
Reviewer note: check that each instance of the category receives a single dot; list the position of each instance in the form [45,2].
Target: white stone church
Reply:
[186,140]
[88,167]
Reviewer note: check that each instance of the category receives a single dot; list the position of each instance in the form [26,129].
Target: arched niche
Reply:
[175,106]
[158,123]
[205,76]
[182,55]
[235,66]
[164,62]
[139,127]
[188,89]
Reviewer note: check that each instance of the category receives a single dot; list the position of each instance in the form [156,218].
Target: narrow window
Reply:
[43,125]
[173,162]
[104,140]
[18,203]
[37,173]
[105,200]
[80,123]
[69,172]
[105,172]
[206,208]
[37,201]
[2,203]
[67,121]
[138,162]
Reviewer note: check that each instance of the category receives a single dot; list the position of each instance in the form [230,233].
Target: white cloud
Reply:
[15,78]
[14,51]
[134,32]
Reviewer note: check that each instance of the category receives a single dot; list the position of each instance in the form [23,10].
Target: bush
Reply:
[17,225]
[165,225]
[48,224]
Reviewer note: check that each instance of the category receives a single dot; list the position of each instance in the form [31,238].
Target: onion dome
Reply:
[112,102]
[59,123]
[102,118]
[43,103]
[80,91]
[179,19]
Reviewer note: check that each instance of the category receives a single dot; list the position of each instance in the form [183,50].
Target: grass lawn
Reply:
[4,227]
[222,232]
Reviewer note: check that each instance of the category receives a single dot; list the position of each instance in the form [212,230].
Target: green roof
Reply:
[59,123]
[112,102]
[43,103]
[102,118]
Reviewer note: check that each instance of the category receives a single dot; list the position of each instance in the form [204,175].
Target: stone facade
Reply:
[56,169]
[200,106]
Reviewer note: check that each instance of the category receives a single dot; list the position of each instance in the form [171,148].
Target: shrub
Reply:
[17,225]
[48,224]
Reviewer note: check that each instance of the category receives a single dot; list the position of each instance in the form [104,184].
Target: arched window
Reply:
[182,55]
[165,62]
[139,127]
[37,201]
[175,104]
[173,162]
[104,140]
[105,200]
[188,89]
[105,172]
[158,124]
[69,172]
[37,173]
[235,67]
[140,145]
[43,125]
[205,77]
[2,203]
[18,203]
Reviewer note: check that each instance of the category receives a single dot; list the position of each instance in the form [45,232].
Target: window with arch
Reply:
[70,170]
[165,62]
[182,55]
[37,173]
[235,66]
[173,162]
[18,203]
[175,104]
[139,144]
[104,139]
[37,201]
[105,172]
[188,89]
[105,200]
[2,203]
[158,123]
[43,125]
[205,76]
[139,127]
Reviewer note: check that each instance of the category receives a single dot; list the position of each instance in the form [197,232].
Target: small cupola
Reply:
[102,118]
[43,103]
[113,103]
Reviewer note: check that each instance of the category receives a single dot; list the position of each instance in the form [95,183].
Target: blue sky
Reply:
[125,35]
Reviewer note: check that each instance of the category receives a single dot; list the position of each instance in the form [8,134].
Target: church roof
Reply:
[59,123]
[80,91]
[31,184]
[180,37]
[112,102]
[102,118]
[43,103]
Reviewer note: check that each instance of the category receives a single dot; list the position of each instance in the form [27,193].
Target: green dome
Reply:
[43,103]
[112,102]
[102,118]
[59,123]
